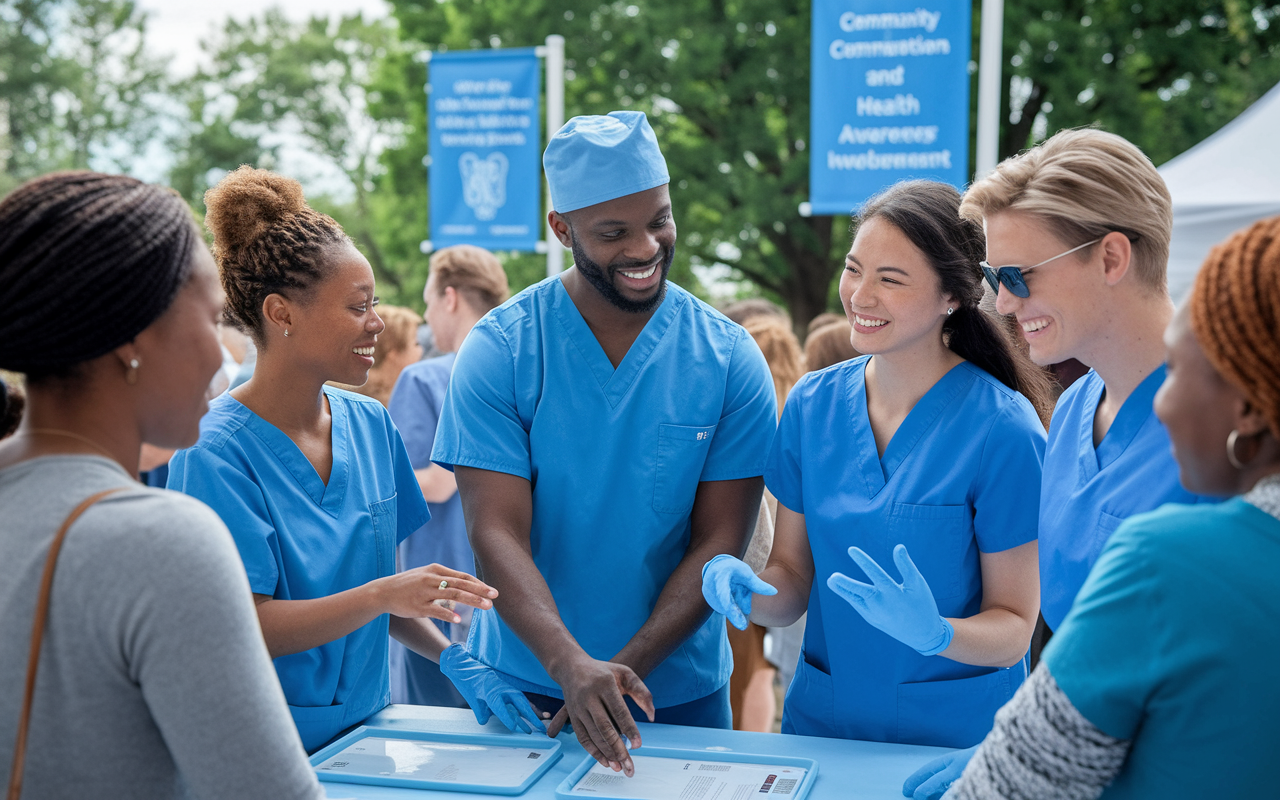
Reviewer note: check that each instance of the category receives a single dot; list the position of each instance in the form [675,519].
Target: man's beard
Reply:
[599,277]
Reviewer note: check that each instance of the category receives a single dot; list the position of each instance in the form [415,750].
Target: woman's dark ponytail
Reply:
[927,212]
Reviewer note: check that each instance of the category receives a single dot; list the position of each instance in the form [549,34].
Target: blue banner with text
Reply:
[889,97]
[486,171]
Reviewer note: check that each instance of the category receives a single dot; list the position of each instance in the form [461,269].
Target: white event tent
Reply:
[1221,185]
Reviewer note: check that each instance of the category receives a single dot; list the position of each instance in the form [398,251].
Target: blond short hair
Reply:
[472,272]
[1085,183]
[781,351]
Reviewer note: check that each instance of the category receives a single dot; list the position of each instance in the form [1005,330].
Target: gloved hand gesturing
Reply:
[905,611]
[487,693]
[932,780]
[728,584]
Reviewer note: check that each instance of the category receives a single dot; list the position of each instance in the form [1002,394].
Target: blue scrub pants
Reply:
[712,711]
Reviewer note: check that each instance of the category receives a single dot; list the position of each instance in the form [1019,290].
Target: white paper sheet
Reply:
[686,779]
[477,765]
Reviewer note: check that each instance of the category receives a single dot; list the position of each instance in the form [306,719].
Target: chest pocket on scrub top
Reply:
[682,450]
[936,538]
[384,534]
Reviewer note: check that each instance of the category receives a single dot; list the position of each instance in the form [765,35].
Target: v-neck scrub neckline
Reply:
[328,496]
[1088,491]
[614,458]
[960,477]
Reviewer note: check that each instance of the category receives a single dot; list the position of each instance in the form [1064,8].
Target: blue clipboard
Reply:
[780,784]
[454,762]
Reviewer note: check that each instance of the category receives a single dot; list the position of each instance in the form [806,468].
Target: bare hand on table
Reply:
[594,705]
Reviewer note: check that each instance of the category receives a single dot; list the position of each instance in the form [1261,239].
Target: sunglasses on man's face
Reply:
[1011,276]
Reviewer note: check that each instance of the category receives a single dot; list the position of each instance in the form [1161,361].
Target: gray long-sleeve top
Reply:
[154,680]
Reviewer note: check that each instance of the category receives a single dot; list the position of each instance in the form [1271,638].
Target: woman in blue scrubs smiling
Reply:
[314,482]
[922,458]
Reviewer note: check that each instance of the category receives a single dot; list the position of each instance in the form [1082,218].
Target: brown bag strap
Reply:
[37,637]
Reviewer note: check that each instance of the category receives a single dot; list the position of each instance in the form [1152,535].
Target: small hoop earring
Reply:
[131,374]
[1232,438]
[950,311]
[286,331]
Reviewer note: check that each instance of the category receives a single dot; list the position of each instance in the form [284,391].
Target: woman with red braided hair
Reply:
[1155,685]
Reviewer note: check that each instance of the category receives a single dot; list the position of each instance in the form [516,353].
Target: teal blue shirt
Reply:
[1173,643]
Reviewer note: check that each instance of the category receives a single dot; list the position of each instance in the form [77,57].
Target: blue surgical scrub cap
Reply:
[595,159]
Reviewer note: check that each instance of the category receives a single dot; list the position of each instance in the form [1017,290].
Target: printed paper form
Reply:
[681,779]
[481,765]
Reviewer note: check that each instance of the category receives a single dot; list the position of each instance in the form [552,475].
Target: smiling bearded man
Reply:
[609,432]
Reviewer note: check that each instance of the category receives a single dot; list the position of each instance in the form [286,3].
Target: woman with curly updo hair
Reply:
[314,481]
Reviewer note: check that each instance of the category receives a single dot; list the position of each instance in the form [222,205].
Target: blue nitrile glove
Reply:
[907,612]
[728,584]
[932,780]
[487,693]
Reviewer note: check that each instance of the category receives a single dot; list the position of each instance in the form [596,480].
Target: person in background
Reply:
[917,454]
[396,348]
[1156,683]
[751,693]
[1078,234]
[313,481]
[829,345]
[740,311]
[463,284]
[152,678]
[823,320]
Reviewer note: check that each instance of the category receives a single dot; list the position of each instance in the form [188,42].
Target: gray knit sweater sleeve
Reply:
[1041,748]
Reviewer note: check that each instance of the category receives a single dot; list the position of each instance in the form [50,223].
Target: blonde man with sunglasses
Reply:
[1077,246]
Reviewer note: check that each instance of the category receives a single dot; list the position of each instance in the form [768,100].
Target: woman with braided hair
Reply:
[152,676]
[314,481]
[1156,684]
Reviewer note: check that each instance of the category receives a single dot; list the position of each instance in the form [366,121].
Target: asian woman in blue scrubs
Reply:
[922,458]
[314,482]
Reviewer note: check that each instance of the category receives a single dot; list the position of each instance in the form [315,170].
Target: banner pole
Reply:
[555,120]
[989,71]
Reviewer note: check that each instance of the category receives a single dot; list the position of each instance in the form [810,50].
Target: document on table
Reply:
[474,764]
[686,779]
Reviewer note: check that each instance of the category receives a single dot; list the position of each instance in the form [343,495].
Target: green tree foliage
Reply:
[1162,73]
[726,86]
[76,84]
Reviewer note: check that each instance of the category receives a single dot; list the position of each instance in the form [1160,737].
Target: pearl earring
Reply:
[286,331]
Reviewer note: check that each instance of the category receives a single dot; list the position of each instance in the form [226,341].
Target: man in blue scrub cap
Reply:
[609,432]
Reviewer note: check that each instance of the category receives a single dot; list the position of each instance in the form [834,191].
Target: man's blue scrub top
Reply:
[415,409]
[614,458]
[960,476]
[301,539]
[1173,644]
[1089,491]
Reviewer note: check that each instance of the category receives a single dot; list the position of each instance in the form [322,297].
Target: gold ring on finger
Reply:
[444,584]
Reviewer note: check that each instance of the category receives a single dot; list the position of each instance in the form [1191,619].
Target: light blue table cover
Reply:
[847,770]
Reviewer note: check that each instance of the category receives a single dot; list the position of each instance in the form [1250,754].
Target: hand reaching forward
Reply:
[727,584]
[594,705]
[905,611]
[431,591]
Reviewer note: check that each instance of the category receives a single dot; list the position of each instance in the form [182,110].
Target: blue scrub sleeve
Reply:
[1006,502]
[479,424]
[238,500]
[411,507]
[782,472]
[414,409]
[740,446]
[1105,655]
